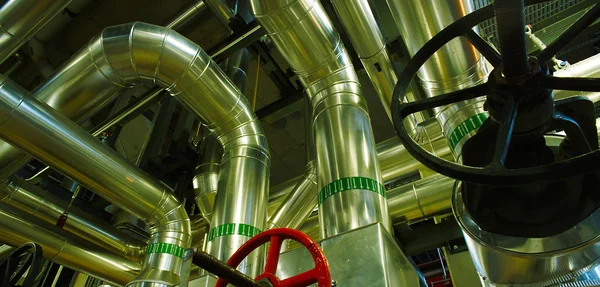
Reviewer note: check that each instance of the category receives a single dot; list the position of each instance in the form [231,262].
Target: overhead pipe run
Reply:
[19,228]
[124,55]
[21,19]
[39,203]
[77,99]
[348,174]
[457,65]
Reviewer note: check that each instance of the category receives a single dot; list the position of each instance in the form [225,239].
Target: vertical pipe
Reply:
[457,65]
[349,180]
[360,25]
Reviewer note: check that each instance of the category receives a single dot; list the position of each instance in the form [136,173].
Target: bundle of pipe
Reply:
[52,138]
[124,55]
[348,174]
[31,199]
[19,228]
[457,65]
[78,99]
[21,19]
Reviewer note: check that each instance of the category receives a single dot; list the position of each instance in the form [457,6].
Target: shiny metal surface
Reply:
[179,65]
[19,228]
[457,65]
[30,199]
[206,176]
[359,22]
[22,19]
[44,133]
[299,204]
[223,9]
[541,261]
[589,67]
[367,256]
[204,281]
[421,199]
[341,125]
[195,8]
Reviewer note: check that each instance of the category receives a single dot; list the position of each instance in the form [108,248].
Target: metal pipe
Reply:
[588,68]
[21,19]
[31,199]
[348,174]
[223,10]
[206,176]
[19,228]
[19,60]
[457,65]
[44,133]
[186,15]
[299,204]
[132,52]
[78,91]
[359,22]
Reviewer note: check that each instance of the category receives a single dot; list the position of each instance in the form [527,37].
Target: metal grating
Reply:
[533,14]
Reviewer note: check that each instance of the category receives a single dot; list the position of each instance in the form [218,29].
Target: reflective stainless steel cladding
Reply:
[21,19]
[52,138]
[348,175]
[174,62]
[455,66]
[19,228]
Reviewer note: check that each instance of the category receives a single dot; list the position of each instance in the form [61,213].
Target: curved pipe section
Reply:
[126,54]
[206,176]
[41,131]
[19,228]
[299,203]
[348,175]
[22,19]
[30,199]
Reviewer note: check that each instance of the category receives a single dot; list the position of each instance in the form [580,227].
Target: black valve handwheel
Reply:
[27,257]
[496,173]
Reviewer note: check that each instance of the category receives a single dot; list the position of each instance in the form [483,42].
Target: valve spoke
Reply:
[571,84]
[442,100]
[484,48]
[509,115]
[273,254]
[570,34]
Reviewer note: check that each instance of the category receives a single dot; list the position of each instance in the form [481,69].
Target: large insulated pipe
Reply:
[39,203]
[129,53]
[77,90]
[47,135]
[19,228]
[206,174]
[457,65]
[359,22]
[22,19]
[349,180]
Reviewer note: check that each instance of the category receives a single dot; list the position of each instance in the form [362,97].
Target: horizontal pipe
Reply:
[195,8]
[22,19]
[19,228]
[39,203]
[41,131]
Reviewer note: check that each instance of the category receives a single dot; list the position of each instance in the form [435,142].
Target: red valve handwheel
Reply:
[320,274]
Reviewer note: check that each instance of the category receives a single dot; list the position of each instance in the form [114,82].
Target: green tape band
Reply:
[233,229]
[464,128]
[350,183]
[166,248]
